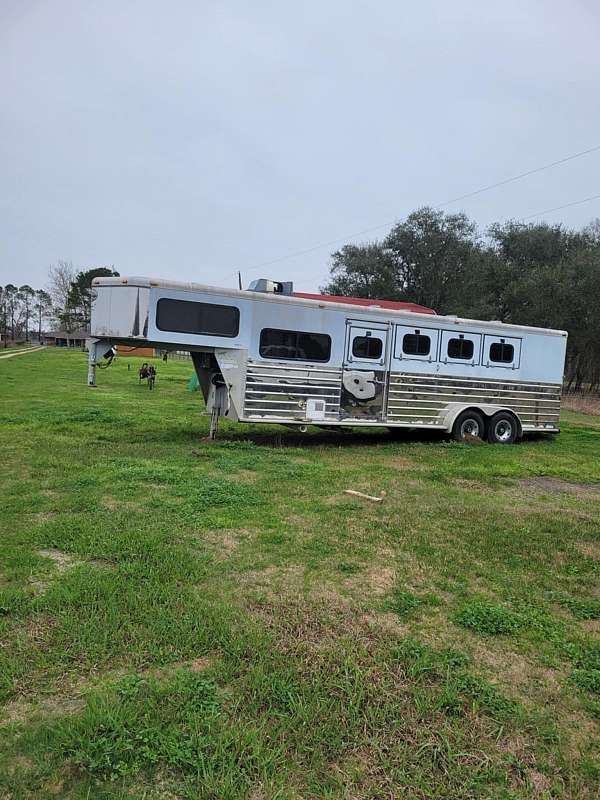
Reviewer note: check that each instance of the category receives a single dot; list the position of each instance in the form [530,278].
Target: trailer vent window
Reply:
[416,344]
[294,345]
[501,352]
[208,319]
[367,347]
[460,348]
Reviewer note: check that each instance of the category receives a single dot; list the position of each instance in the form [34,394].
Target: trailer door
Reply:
[365,370]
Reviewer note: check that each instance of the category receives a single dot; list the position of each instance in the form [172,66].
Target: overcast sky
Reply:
[191,139]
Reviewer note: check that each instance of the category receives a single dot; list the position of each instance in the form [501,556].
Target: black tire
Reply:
[469,424]
[503,428]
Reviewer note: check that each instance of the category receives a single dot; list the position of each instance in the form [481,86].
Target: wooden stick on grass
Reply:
[364,496]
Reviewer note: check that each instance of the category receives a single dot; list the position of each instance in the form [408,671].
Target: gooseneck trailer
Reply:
[268,355]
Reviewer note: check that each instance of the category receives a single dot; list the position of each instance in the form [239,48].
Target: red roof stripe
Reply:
[394,305]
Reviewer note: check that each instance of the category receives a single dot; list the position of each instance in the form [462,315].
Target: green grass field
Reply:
[188,619]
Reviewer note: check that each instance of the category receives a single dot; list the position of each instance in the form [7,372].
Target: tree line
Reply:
[527,274]
[65,303]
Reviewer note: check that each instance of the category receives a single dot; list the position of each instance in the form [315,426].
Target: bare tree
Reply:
[593,229]
[61,275]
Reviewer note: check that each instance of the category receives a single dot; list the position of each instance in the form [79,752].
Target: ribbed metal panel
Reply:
[422,398]
[280,391]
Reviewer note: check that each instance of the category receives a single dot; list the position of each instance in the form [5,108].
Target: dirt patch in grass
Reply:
[557,485]
[37,628]
[472,485]
[339,499]
[43,516]
[245,476]
[531,684]
[18,763]
[589,549]
[225,541]
[376,581]
[21,710]
[540,783]
[299,625]
[258,793]
[119,504]
[402,464]
[62,562]
[412,482]
[373,771]
[512,670]
[591,626]
[199,664]
[274,582]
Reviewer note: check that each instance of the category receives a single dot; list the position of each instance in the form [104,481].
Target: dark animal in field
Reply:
[147,372]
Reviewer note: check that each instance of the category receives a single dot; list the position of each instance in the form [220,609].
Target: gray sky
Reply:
[190,139]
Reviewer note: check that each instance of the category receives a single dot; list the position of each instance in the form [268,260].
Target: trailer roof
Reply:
[321,301]
[369,302]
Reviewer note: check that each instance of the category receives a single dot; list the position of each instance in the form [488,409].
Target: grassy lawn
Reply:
[187,619]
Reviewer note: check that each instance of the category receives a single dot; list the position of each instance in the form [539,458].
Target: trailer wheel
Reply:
[468,424]
[503,428]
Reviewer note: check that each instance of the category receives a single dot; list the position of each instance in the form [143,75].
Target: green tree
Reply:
[79,300]
[11,293]
[42,308]
[26,297]
[530,274]
[363,271]
[4,316]
[423,260]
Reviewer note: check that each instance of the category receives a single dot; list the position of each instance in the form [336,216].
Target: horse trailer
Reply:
[266,354]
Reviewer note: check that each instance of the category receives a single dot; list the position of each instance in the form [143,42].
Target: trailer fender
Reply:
[487,409]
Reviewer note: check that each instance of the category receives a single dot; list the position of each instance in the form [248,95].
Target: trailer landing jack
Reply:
[214,423]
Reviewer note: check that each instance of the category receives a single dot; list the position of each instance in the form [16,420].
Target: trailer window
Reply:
[416,344]
[367,347]
[187,316]
[294,345]
[501,352]
[460,348]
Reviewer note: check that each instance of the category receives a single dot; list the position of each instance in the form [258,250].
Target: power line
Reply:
[518,177]
[559,208]
[487,188]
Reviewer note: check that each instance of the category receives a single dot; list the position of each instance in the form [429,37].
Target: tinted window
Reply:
[502,352]
[416,344]
[367,347]
[186,316]
[460,348]
[294,345]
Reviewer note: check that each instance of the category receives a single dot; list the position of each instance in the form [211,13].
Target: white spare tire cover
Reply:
[359,384]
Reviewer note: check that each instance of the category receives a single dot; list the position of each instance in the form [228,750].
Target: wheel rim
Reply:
[469,427]
[503,430]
